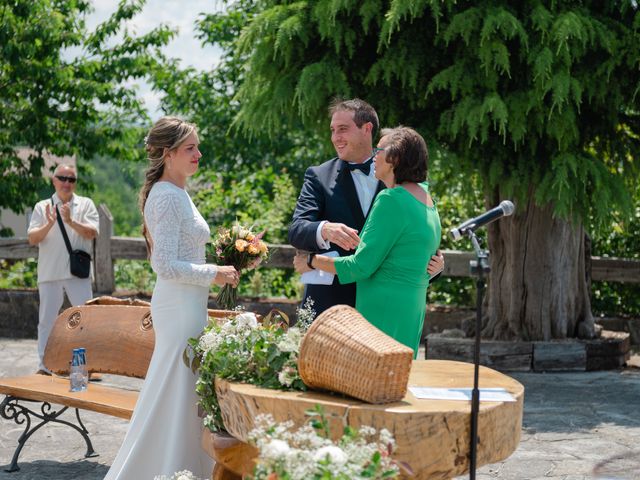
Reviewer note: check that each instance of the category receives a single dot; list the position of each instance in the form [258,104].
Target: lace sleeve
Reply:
[176,255]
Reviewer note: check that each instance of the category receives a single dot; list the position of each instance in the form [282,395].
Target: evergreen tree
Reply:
[540,98]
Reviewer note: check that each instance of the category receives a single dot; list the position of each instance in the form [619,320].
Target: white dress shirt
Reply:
[53,258]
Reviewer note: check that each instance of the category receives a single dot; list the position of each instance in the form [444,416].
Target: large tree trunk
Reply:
[538,286]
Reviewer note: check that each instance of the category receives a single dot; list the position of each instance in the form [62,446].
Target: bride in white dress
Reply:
[165,430]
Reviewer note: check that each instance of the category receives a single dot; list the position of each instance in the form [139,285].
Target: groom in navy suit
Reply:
[336,197]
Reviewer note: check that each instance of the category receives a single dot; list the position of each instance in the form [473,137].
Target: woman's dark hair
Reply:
[407,152]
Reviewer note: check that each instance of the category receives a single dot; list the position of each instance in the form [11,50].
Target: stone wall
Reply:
[610,351]
[19,313]
[19,309]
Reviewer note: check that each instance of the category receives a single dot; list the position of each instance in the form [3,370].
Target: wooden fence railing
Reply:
[109,248]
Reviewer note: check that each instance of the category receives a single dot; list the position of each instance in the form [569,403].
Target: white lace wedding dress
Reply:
[165,430]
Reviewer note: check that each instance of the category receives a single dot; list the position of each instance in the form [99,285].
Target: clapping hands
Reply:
[50,213]
[65,213]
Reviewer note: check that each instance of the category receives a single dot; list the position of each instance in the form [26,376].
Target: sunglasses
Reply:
[62,178]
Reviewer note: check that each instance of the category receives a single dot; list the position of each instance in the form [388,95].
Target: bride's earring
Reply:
[167,159]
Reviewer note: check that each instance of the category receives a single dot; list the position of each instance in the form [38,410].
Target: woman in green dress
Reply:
[400,235]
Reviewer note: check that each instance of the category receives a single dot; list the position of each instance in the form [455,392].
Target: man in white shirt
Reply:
[80,218]
[336,197]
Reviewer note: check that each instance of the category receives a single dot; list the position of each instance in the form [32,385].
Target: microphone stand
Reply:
[478,268]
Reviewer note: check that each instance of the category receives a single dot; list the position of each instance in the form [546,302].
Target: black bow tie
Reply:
[364,167]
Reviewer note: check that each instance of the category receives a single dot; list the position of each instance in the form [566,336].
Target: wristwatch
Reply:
[310,260]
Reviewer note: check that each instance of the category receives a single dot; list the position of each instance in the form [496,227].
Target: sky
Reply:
[175,13]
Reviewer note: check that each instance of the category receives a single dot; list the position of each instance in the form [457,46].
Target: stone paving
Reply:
[572,422]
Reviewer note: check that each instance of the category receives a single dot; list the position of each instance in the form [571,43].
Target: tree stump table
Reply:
[432,436]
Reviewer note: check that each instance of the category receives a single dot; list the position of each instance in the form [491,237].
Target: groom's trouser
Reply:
[51,298]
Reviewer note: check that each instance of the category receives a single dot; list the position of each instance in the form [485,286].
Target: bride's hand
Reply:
[227,275]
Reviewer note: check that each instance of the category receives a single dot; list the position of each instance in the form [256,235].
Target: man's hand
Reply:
[340,235]
[36,235]
[65,213]
[436,264]
[85,231]
[50,213]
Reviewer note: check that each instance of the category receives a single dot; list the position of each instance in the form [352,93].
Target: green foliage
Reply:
[134,275]
[613,299]
[209,100]
[260,199]
[117,185]
[526,95]
[19,274]
[271,282]
[620,240]
[239,349]
[531,97]
[79,106]
[457,199]
[264,201]
[542,95]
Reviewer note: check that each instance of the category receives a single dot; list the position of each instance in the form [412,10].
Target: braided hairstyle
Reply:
[166,135]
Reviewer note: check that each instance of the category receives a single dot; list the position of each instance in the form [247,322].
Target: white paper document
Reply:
[486,394]
[318,277]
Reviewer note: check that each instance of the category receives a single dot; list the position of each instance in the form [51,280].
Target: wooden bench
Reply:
[119,339]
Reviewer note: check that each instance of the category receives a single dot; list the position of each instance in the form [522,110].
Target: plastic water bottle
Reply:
[83,367]
[75,373]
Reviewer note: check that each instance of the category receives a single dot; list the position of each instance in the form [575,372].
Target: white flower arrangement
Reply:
[291,341]
[182,475]
[246,320]
[309,454]
[243,350]
[306,314]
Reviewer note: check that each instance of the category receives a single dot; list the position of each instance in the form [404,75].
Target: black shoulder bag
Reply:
[79,260]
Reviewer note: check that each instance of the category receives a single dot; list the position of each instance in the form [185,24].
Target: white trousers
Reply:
[51,298]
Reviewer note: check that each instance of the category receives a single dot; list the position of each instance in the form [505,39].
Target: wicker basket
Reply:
[343,352]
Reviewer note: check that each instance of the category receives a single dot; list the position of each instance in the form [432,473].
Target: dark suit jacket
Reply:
[328,193]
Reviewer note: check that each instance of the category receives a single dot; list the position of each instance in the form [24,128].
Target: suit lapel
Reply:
[346,183]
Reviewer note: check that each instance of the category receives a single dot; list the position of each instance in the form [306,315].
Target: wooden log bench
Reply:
[119,339]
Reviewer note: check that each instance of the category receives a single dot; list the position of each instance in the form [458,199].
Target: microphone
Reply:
[505,209]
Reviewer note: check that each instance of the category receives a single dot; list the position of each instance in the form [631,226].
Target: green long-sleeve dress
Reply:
[390,264]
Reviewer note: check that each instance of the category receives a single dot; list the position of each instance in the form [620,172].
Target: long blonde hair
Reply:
[166,135]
